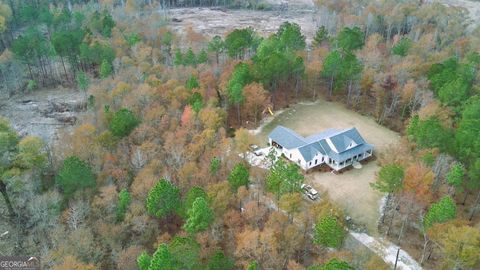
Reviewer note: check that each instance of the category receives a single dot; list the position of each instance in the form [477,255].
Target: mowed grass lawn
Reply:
[350,189]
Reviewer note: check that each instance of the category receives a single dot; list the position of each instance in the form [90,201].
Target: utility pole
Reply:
[396,259]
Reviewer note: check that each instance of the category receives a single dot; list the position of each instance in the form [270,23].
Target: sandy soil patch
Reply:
[217,21]
[29,113]
[473,9]
[350,189]
[211,22]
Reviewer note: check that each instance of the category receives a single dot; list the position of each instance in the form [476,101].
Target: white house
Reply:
[336,148]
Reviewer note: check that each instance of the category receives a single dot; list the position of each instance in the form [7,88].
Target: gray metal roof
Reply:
[312,145]
[325,146]
[286,137]
[310,150]
[342,140]
[322,135]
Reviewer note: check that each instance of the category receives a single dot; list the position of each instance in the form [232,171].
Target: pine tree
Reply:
[328,232]
[75,175]
[162,259]
[123,123]
[440,212]
[455,176]
[105,69]
[163,199]
[124,200]
[239,176]
[200,216]
[215,164]
[320,36]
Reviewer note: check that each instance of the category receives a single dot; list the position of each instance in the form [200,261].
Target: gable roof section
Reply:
[286,137]
[342,140]
[310,150]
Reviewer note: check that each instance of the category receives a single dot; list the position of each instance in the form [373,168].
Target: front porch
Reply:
[339,165]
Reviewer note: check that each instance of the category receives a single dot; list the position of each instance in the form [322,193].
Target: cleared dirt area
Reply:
[213,21]
[44,112]
[350,189]
[218,21]
[472,7]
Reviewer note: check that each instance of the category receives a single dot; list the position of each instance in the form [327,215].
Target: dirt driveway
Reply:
[350,189]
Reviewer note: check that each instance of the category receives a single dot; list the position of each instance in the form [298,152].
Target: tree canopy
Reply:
[440,212]
[239,41]
[123,122]
[350,39]
[430,133]
[333,264]
[124,200]
[468,132]
[455,176]
[163,199]
[199,216]
[401,47]
[284,178]
[220,262]
[74,175]
[239,176]
[320,35]
[328,232]
[389,179]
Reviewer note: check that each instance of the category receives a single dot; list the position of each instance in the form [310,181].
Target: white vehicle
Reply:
[311,193]
[253,147]
[255,150]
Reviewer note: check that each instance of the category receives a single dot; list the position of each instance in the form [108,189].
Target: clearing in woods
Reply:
[350,189]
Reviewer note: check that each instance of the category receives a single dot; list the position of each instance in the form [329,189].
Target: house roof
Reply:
[344,139]
[339,145]
[339,157]
[310,150]
[322,135]
[286,137]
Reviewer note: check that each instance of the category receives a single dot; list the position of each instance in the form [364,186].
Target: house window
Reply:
[316,161]
[341,163]
[310,163]
[290,155]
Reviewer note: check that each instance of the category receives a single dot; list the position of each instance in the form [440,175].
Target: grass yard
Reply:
[350,189]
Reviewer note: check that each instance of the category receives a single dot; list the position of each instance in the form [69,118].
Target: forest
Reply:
[152,175]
